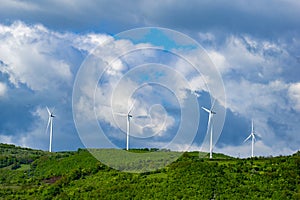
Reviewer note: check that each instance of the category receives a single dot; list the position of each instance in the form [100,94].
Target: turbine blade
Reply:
[208,124]
[247,138]
[206,109]
[49,113]
[142,116]
[53,112]
[48,125]
[131,107]
[213,105]
[120,114]
[252,128]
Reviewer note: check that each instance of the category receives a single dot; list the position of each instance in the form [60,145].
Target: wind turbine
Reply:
[252,135]
[209,125]
[50,123]
[128,117]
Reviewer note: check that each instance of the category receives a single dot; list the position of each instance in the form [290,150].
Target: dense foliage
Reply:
[32,174]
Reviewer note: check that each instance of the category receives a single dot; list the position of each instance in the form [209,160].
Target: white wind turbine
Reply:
[210,126]
[128,116]
[50,123]
[252,135]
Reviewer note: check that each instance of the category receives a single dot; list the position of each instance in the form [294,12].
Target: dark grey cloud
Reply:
[262,17]
[78,16]
[257,17]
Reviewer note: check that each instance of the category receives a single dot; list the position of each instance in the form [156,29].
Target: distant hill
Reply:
[34,174]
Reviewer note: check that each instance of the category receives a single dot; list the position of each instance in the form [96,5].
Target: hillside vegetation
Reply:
[34,174]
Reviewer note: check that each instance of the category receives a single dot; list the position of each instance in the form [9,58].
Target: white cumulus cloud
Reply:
[294,94]
[3,89]
[31,56]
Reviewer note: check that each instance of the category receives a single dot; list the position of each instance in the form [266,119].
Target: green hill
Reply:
[34,174]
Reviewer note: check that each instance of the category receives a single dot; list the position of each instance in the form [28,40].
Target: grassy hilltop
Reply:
[34,174]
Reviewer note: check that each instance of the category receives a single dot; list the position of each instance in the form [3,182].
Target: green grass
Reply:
[24,167]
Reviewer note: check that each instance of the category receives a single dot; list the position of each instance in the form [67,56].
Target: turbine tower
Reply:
[210,126]
[50,123]
[252,135]
[128,130]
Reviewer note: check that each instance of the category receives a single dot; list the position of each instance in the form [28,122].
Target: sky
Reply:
[91,61]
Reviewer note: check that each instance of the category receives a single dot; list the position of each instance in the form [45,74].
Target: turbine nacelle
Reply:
[50,113]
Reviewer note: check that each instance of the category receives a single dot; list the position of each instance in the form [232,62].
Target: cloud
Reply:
[252,58]
[255,17]
[294,94]
[127,79]
[18,5]
[6,139]
[247,97]
[123,89]
[254,74]
[66,15]
[38,66]
[20,44]
[3,89]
